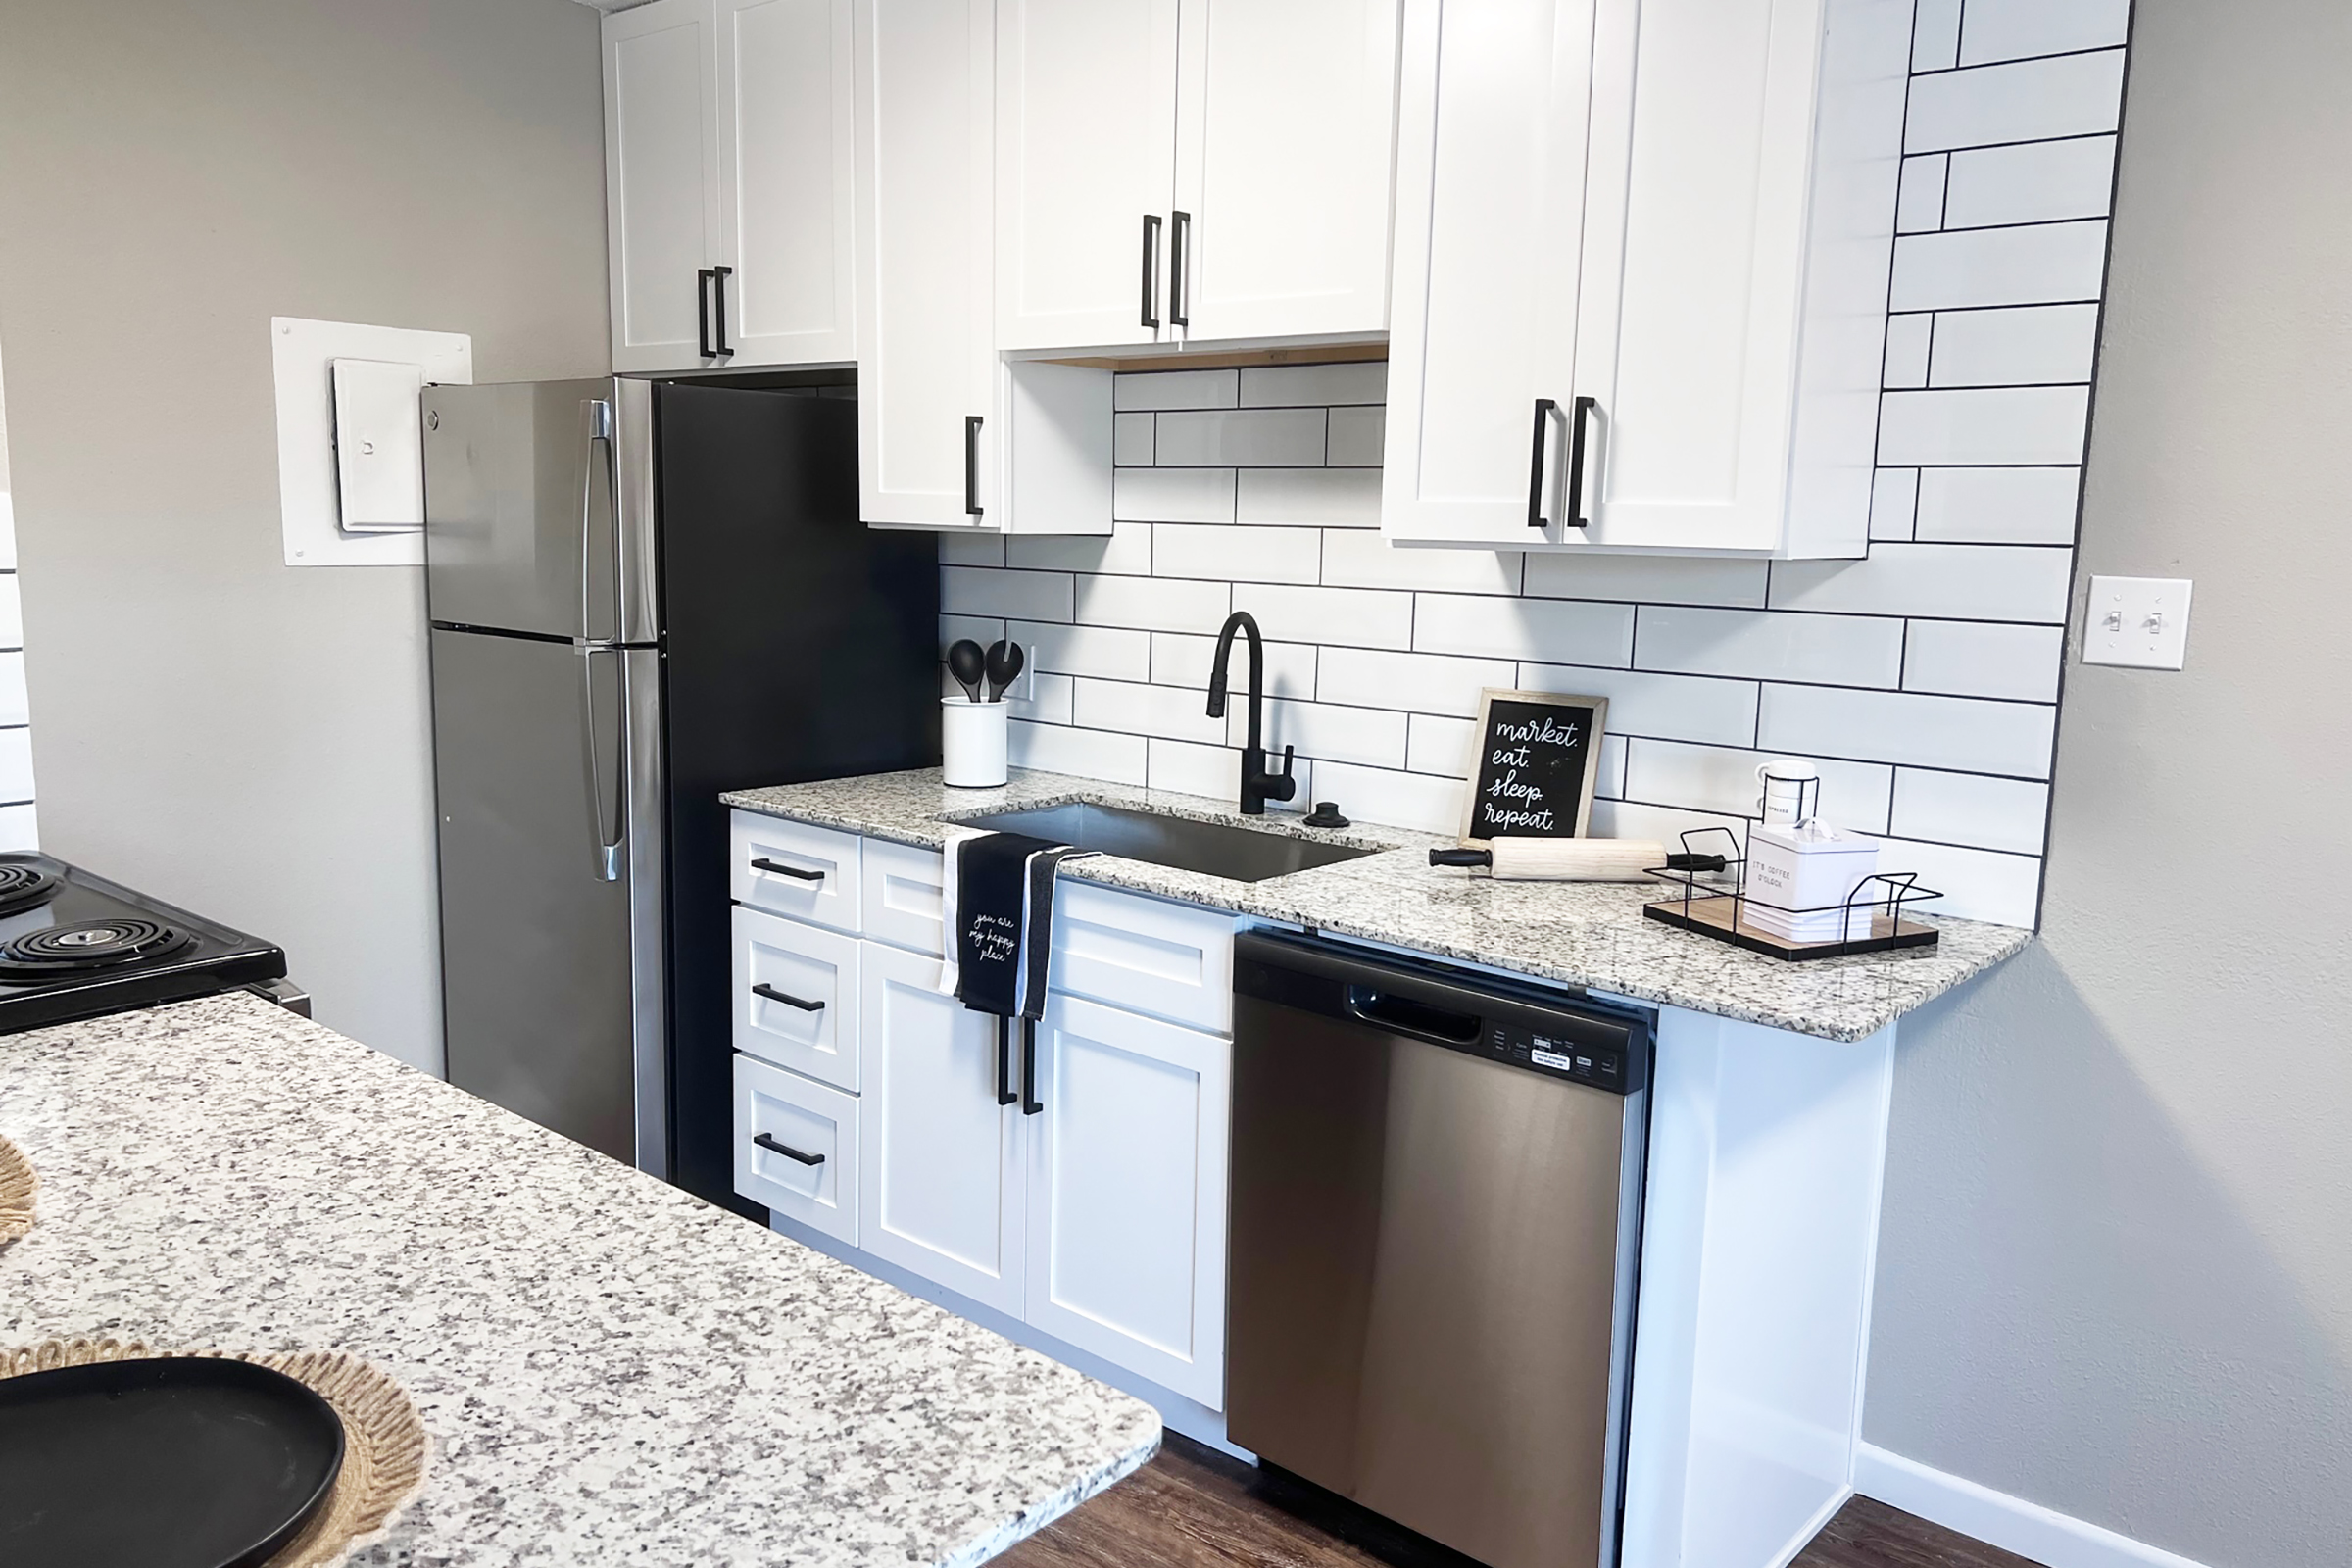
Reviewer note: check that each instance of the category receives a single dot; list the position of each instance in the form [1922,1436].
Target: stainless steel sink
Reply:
[1214,848]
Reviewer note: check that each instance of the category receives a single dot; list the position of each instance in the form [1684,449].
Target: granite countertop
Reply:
[1587,934]
[612,1371]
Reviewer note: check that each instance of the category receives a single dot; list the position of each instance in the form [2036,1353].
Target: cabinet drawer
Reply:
[901,897]
[796,1148]
[796,997]
[1171,960]
[810,873]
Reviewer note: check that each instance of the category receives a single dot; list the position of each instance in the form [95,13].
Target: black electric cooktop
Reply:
[77,946]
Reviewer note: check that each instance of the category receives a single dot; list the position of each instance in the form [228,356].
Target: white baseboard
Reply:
[2012,1524]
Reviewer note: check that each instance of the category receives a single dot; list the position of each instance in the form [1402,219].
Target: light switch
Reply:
[2141,622]
[379,455]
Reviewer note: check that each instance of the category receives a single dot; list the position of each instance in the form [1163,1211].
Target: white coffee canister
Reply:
[1791,790]
[971,742]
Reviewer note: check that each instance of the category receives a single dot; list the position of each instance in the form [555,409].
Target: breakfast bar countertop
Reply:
[1587,934]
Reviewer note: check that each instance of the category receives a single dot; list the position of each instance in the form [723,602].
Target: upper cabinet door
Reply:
[927,363]
[787,173]
[1085,163]
[1490,189]
[661,180]
[1286,123]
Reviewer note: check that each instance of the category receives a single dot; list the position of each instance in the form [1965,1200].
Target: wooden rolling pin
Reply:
[1575,859]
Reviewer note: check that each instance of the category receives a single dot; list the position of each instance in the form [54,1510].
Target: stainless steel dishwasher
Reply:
[1437,1192]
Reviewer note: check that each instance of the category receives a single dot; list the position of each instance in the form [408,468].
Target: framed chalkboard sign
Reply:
[1531,775]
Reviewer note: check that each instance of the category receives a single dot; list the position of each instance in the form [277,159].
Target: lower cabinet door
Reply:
[943,1160]
[796,1147]
[1127,1184]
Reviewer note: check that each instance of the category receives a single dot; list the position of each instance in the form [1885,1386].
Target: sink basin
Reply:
[1214,848]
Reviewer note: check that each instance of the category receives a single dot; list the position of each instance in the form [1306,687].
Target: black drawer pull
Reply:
[786,997]
[779,868]
[786,1149]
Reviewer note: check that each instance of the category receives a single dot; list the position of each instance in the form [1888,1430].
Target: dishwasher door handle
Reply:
[1408,1016]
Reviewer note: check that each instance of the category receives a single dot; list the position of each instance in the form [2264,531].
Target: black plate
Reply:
[183,1463]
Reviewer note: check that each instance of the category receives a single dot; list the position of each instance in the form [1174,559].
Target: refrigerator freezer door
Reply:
[533,762]
[538,507]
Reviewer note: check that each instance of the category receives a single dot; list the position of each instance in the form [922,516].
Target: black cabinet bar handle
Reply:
[787,998]
[972,464]
[1544,410]
[1180,227]
[702,312]
[786,1149]
[1152,270]
[1573,514]
[1004,1094]
[1030,1103]
[779,868]
[718,289]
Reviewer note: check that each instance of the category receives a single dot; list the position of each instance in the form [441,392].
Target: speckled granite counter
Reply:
[610,1370]
[1588,934]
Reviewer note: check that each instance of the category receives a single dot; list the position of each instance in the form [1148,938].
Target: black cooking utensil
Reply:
[190,1462]
[968,665]
[1004,661]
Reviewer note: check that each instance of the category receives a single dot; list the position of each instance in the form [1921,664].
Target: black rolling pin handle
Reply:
[1695,863]
[1461,856]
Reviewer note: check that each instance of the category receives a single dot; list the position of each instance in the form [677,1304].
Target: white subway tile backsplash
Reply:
[8,526]
[1675,708]
[2038,343]
[1999,506]
[1966,808]
[17,828]
[1722,779]
[16,764]
[1354,437]
[2014,29]
[1948,732]
[1382,795]
[1360,617]
[1126,550]
[1357,557]
[1936,35]
[1984,659]
[1610,779]
[1551,631]
[1175,713]
[2033,100]
[1217,772]
[1418,683]
[1238,553]
[970,547]
[1316,386]
[1131,440]
[1152,604]
[2032,424]
[2031,182]
[1049,702]
[1178,660]
[1918,202]
[1644,579]
[1771,645]
[1438,745]
[1177,389]
[1326,498]
[1964,582]
[1172,495]
[2039,265]
[1267,438]
[1893,503]
[1633,820]
[998,591]
[1977,884]
[1107,652]
[1906,362]
[1086,753]
[1373,736]
[982,629]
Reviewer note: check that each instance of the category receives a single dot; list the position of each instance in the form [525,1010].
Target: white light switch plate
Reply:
[2142,622]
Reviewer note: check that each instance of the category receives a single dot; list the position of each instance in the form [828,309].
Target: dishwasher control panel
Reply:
[1556,1052]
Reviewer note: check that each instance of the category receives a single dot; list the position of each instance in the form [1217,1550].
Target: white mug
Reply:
[1791,790]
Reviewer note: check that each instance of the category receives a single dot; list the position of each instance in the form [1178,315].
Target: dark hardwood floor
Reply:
[1193,1507]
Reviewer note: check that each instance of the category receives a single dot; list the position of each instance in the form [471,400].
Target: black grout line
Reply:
[1995,146]
[2021,60]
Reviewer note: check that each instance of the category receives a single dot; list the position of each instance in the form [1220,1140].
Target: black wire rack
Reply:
[1720,908]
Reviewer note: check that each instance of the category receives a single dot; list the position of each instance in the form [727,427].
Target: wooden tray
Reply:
[1713,917]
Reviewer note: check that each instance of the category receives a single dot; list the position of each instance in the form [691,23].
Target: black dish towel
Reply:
[1004,940]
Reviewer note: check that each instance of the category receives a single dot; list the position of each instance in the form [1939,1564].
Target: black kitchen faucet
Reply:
[1257,785]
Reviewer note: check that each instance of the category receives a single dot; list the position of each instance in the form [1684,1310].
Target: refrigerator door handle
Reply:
[609,843]
[597,415]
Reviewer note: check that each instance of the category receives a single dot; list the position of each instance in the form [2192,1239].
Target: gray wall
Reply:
[2116,1262]
[216,728]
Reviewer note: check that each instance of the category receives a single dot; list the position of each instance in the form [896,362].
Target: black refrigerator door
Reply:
[799,644]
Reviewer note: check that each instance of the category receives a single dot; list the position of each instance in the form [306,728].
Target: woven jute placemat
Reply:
[17,1187]
[383,1439]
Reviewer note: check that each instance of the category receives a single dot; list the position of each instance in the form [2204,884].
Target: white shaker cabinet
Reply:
[728,183]
[1677,342]
[1127,1187]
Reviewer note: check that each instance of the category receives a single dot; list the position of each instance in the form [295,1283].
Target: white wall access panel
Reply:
[661,178]
[302,357]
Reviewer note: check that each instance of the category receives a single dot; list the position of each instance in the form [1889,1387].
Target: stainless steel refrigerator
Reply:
[641,594]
